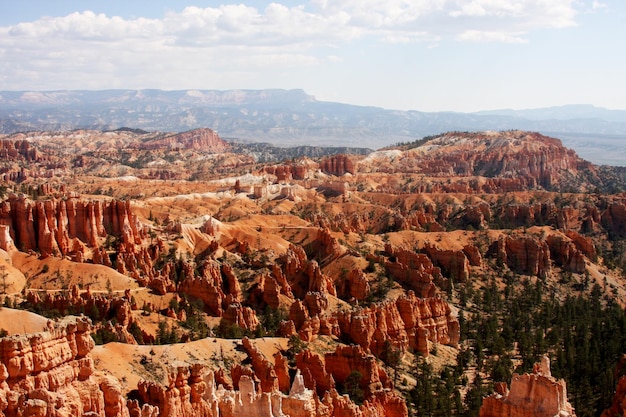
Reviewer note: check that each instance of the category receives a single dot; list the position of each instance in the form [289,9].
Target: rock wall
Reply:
[414,270]
[203,139]
[407,322]
[523,254]
[52,226]
[98,306]
[298,275]
[454,264]
[322,374]
[194,391]
[18,150]
[566,254]
[338,165]
[618,406]
[51,374]
[216,285]
[614,218]
[302,168]
[532,255]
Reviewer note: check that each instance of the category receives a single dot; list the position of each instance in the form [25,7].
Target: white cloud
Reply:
[506,9]
[92,49]
[597,5]
[481,36]
[334,58]
[86,26]
[335,20]
[376,14]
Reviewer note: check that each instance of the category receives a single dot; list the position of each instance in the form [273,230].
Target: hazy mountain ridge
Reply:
[292,117]
[566,112]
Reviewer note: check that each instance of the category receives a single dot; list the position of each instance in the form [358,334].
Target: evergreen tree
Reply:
[352,387]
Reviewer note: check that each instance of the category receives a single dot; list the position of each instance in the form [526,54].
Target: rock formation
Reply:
[523,254]
[453,264]
[618,405]
[338,165]
[216,286]
[614,218]
[566,254]
[347,359]
[514,160]
[352,254]
[298,275]
[415,270]
[538,394]
[98,306]
[408,322]
[51,374]
[194,391]
[51,226]
[353,284]
[321,374]
[203,139]
[301,169]
[19,150]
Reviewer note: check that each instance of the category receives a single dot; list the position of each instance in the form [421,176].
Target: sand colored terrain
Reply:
[57,274]
[130,363]
[12,279]
[20,321]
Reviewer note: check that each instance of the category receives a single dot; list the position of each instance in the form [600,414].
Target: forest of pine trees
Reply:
[583,334]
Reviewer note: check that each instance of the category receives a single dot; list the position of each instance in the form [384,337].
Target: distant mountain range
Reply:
[293,118]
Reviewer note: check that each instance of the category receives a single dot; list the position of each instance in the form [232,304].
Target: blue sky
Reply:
[428,55]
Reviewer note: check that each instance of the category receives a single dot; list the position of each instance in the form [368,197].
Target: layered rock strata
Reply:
[204,139]
[407,322]
[51,374]
[52,227]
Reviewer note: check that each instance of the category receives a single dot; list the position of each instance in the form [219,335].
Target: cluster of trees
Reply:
[506,327]
[438,393]
[269,319]
[584,334]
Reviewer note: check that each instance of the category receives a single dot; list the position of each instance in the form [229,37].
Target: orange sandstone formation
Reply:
[538,394]
[52,226]
[203,139]
[338,165]
[523,254]
[51,374]
[408,322]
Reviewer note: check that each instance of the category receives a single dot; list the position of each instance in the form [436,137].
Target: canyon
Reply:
[172,274]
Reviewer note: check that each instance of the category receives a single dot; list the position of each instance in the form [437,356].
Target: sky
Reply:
[426,55]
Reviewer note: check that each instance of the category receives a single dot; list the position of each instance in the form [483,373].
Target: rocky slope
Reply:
[531,160]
